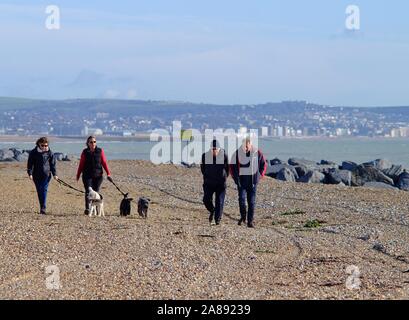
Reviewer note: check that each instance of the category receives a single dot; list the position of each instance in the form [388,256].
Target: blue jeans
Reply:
[247,193]
[217,209]
[42,188]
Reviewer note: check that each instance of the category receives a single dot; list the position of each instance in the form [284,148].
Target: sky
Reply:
[223,52]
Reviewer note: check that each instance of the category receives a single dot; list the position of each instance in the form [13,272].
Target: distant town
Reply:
[128,118]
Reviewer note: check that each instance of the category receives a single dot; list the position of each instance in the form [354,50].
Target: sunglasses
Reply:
[93,142]
[44,145]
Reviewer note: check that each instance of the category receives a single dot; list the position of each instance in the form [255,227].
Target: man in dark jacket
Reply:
[215,170]
[248,166]
[41,165]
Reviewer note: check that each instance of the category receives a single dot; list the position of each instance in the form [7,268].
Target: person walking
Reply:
[247,167]
[215,170]
[41,165]
[91,166]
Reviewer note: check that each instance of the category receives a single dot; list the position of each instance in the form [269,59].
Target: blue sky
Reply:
[207,51]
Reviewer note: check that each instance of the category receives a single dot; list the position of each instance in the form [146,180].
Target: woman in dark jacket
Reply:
[41,165]
[92,163]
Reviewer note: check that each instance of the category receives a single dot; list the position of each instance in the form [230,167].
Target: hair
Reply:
[247,139]
[41,141]
[88,139]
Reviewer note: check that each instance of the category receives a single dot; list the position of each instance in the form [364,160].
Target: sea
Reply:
[337,150]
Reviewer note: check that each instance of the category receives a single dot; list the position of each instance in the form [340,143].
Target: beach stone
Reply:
[59,156]
[272,171]
[22,157]
[336,176]
[312,176]
[394,172]
[6,155]
[379,185]
[286,174]
[326,162]
[301,170]
[307,163]
[380,164]
[275,161]
[403,181]
[363,174]
[349,165]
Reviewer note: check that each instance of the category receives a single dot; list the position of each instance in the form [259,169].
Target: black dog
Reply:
[143,206]
[125,207]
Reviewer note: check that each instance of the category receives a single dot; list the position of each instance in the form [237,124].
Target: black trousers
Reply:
[94,183]
[217,208]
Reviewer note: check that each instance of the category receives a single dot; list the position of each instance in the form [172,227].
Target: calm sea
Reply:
[357,150]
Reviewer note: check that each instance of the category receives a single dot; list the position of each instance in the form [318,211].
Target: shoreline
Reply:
[145,137]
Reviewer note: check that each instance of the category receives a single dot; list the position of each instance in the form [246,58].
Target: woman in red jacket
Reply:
[92,163]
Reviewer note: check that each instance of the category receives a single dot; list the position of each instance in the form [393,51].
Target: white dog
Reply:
[96,203]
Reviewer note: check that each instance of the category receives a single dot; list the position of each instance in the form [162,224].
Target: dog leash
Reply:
[65,184]
[123,193]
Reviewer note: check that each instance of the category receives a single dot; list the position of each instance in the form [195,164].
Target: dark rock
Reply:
[326,162]
[379,185]
[325,168]
[380,164]
[394,172]
[363,174]
[286,174]
[276,161]
[59,156]
[301,170]
[349,165]
[272,171]
[379,247]
[312,176]
[22,157]
[6,155]
[296,162]
[403,181]
[336,176]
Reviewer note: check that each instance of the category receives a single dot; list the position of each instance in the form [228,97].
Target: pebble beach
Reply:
[308,238]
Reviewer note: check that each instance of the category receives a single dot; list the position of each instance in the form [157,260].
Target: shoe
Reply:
[42,211]
[211,217]
[218,223]
[241,221]
[86,212]
[250,225]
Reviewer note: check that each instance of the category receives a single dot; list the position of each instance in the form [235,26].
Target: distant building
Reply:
[91,131]
[395,133]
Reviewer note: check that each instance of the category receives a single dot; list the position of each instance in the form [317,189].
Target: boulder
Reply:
[22,157]
[349,165]
[296,162]
[379,185]
[312,176]
[363,174]
[286,174]
[60,156]
[394,172]
[380,164]
[301,170]
[326,162]
[275,161]
[272,171]
[6,155]
[336,176]
[403,181]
